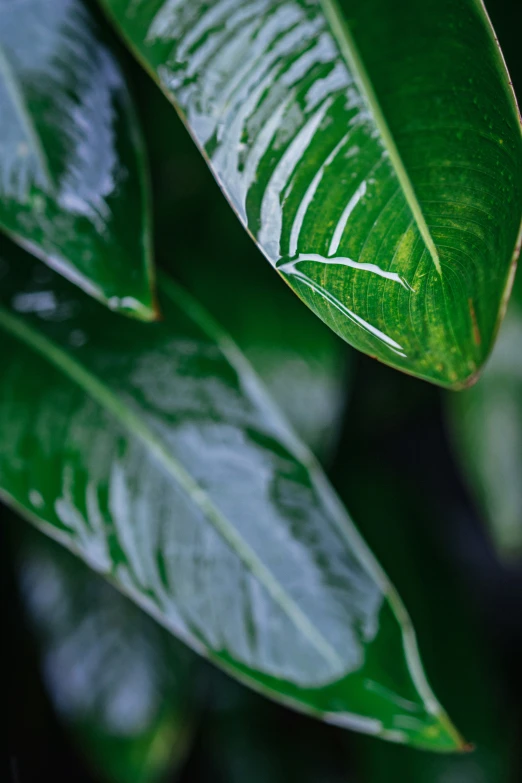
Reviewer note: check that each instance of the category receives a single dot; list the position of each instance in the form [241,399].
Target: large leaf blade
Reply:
[303,364]
[73,187]
[486,422]
[374,157]
[153,454]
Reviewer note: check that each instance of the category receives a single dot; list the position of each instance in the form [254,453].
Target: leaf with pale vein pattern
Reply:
[73,188]
[153,453]
[373,150]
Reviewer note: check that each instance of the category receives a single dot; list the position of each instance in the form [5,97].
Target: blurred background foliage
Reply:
[432,478]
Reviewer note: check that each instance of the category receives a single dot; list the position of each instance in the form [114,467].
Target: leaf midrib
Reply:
[18,100]
[348,49]
[131,421]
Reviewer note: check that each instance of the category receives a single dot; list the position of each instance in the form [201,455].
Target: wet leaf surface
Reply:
[73,187]
[373,155]
[153,453]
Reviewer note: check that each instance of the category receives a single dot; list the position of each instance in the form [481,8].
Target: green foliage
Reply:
[373,151]
[486,421]
[366,148]
[306,368]
[157,458]
[72,178]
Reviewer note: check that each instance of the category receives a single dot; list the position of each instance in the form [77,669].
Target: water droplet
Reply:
[36,499]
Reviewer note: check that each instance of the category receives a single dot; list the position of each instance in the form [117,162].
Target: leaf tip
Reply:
[466,383]
[441,736]
[146,311]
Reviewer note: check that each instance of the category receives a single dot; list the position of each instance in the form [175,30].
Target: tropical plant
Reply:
[177,419]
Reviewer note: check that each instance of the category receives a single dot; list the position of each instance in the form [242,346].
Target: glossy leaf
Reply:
[153,453]
[486,424]
[122,685]
[371,151]
[73,189]
[304,365]
[307,373]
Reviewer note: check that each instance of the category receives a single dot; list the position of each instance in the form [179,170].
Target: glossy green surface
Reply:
[486,422]
[122,685]
[153,453]
[372,149]
[486,426]
[72,181]
[305,368]
[304,365]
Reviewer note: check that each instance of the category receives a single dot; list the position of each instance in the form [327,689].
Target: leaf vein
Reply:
[348,50]
[130,420]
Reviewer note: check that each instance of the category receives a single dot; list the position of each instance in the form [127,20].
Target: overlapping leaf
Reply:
[372,149]
[303,364]
[486,422]
[153,454]
[123,686]
[72,182]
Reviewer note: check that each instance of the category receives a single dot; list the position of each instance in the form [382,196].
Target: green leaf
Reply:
[73,188]
[153,454]
[304,365]
[486,424]
[373,155]
[121,684]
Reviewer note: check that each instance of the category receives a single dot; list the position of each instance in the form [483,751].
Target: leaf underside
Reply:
[371,148]
[154,455]
[72,182]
